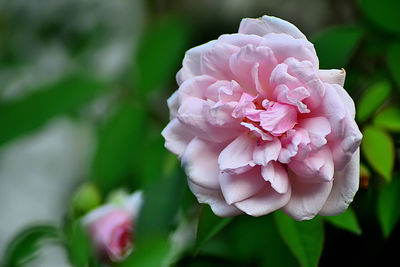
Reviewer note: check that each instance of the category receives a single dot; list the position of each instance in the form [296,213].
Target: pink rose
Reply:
[111,228]
[258,127]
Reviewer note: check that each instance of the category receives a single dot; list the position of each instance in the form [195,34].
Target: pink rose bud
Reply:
[111,228]
[259,127]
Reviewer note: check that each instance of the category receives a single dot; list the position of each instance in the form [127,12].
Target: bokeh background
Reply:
[83,89]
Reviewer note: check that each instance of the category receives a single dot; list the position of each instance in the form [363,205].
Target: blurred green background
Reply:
[83,89]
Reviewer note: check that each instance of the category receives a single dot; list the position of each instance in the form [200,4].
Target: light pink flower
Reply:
[258,127]
[111,228]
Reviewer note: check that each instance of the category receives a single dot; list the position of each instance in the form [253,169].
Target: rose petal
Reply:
[317,167]
[191,113]
[195,87]
[318,128]
[265,201]
[307,199]
[269,24]
[237,187]
[237,157]
[200,162]
[191,62]
[333,76]
[173,105]
[215,199]
[278,119]
[347,100]
[277,175]
[345,185]
[285,46]
[267,151]
[177,137]
[215,61]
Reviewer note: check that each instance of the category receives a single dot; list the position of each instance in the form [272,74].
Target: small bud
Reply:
[86,198]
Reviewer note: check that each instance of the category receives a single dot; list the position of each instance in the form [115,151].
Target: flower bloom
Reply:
[111,228]
[258,127]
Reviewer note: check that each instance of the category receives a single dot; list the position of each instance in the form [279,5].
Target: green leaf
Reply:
[336,45]
[393,59]
[304,239]
[150,252]
[384,13]
[389,119]
[372,99]
[388,205]
[209,225]
[378,148]
[25,115]
[346,221]
[161,204]
[25,246]
[160,53]
[78,244]
[118,143]
[257,238]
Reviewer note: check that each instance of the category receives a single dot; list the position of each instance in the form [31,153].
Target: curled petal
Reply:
[215,199]
[333,76]
[173,105]
[177,137]
[265,201]
[345,185]
[237,187]
[200,163]
[307,199]
[318,128]
[191,62]
[237,157]
[267,151]
[278,119]
[317,167]
[277,175]
[195,87]
[269,24]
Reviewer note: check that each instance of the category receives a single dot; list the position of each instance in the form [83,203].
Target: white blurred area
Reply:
[40,171]
[38,174]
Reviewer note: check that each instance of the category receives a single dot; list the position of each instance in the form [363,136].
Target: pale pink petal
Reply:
[195,87]
[215,61]
[278,119]
[265,201]
[252,66]
[305,72]
[269,24]
[237,157]
[317,167]
[191,113]
[332,76]
[237,187]
[345,185]
[318,128]
[277,175]
[307,199]
[215,199]
[285,46]
[200,162]
[292,97]
[267,151]
[173,105]
[295,143]
[258,133]
[333,109]
[240,40]
[346,99]
[177,137]
[244,105]
[191,62]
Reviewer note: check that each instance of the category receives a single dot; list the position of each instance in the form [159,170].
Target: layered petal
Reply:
[277,175]
[237,187]
[344,187]
[333,76]
[177,137]
[237,157]
[200,162]
[307,199]
[269,24]
[265,201]
[215,199]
